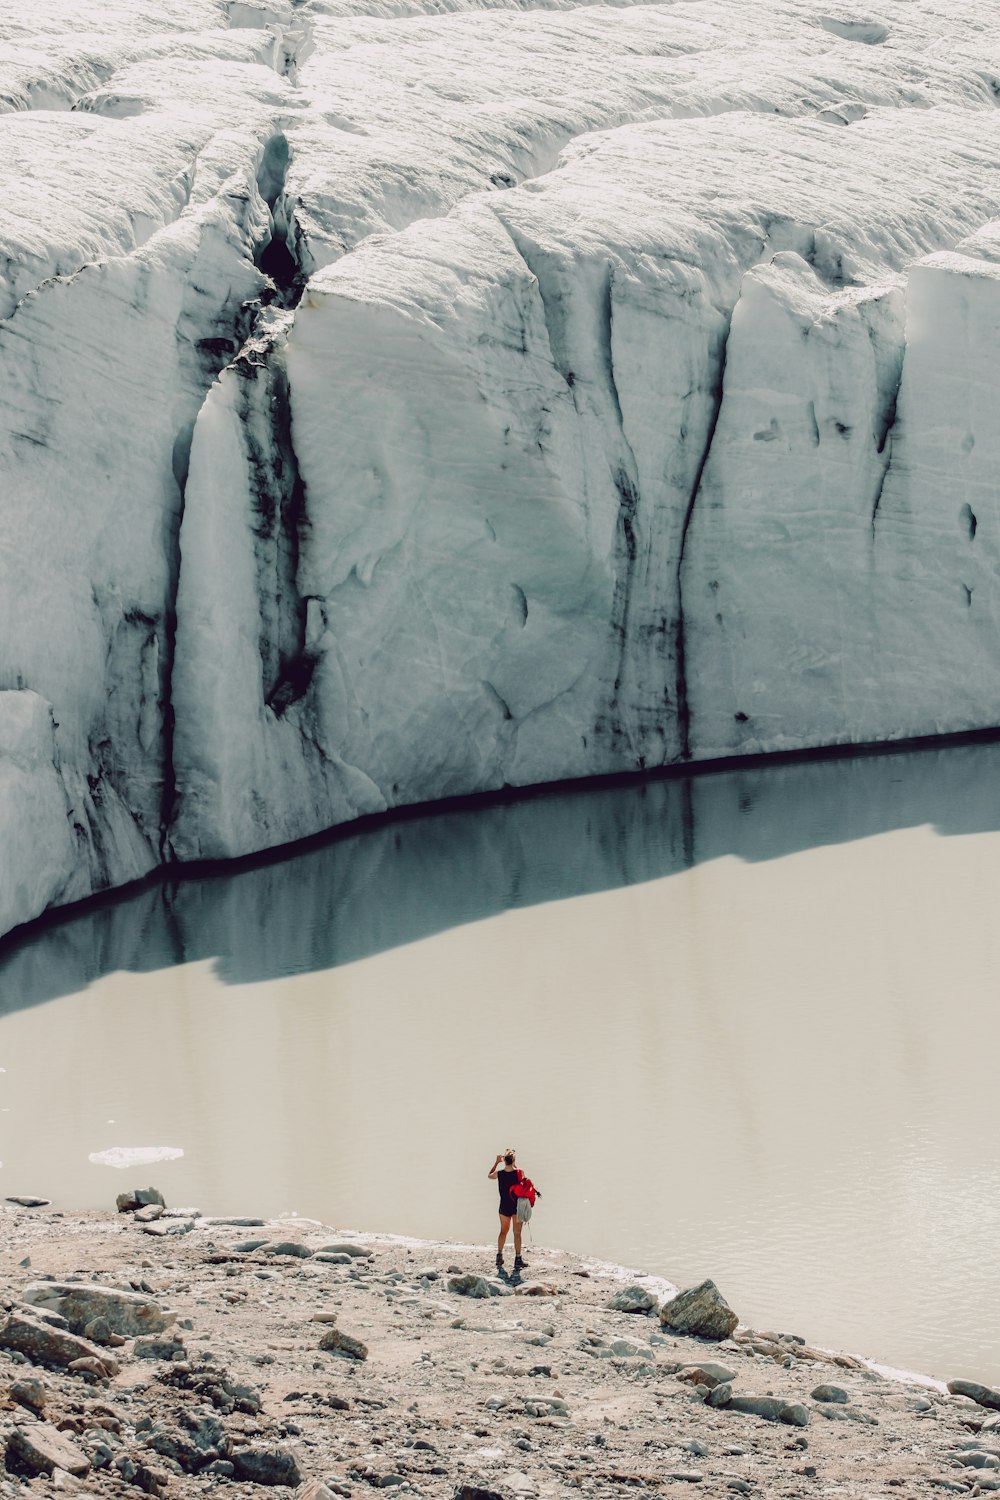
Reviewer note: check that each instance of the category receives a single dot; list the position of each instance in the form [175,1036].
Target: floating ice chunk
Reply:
[134,1156]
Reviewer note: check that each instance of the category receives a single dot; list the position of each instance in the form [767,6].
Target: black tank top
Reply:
[506,1180]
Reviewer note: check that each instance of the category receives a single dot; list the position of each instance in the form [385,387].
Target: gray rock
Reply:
[235,1223]
[686,1476]
[150,1213]
[771,1408]
[337,1342]
[701,1310]
[633,1299]
[165,1228]
[476,1492]
[834,1413]
[89,1367]
[314,1489]
[720,1396]
[39,1449]
[981,1394]
[30,1392]
[470,1285]
[706,1373]
[246,1246]
[29,1202]
[80,1303]
[289,1247]
[335,1259]
[347,1247]
[127,1203]
[156,1347]
[830,1393]
[50,1346]
[263,1464]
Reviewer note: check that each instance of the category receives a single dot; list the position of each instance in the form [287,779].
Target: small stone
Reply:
[981,1394]
[149,1214]
[701,1310]
[740,1486]
[686,1476]
[323,1317]
[263,1464]
[537,1289]
[830,1393]
[338,1342]
[40,1448]
[795,1414]
[699,1450]
[167,1228]
[633,1299]
[64,1484]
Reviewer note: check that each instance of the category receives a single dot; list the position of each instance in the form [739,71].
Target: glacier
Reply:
[410,398]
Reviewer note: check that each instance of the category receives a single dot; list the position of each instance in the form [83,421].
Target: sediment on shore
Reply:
[157,1351]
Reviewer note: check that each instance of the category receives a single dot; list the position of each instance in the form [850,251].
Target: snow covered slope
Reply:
[402,399]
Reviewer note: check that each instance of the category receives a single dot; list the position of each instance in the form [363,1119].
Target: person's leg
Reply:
[518,1229]
[504,1227]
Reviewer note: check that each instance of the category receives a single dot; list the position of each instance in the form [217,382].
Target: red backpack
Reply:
[523,1189]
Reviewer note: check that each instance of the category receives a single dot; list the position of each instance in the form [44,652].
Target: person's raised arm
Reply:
[493,1170]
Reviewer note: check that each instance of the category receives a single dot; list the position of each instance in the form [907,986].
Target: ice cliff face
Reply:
[404,399]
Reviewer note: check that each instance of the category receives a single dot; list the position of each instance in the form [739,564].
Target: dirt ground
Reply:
[536,1388]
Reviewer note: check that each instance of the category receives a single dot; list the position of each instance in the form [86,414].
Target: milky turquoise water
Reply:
[744,1026]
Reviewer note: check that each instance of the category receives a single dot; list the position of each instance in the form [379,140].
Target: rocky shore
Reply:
[157,1351]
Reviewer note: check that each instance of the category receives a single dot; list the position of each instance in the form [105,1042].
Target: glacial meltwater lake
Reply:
[742,1025]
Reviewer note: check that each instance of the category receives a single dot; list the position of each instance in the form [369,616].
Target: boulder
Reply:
[633,1299]
[981,1394]
[29,1392]
[156,1347]
[469,1285]
[834,1413]
[89,1367]
[289,1247]
[127,1203]
[81,1303]
[39,1449]
[27,1201]
[719,1396]
[701,1310]
[150,1213]
[166,1227]
[263,1463]
[705,1373]
[476,1492]
[338,1342]
[830,1393]
[44,1345]
[772,1409]
[347,1247]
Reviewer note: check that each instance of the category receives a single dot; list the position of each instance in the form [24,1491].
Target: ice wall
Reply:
[403,400]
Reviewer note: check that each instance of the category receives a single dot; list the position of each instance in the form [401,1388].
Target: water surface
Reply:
[742,1025]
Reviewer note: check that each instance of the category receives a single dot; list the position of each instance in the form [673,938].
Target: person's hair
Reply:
[508,1156]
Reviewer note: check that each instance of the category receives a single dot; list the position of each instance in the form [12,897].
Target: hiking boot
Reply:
[519,1264]
[499,1262]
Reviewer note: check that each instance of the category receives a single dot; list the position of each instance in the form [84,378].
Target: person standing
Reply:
[506,1177]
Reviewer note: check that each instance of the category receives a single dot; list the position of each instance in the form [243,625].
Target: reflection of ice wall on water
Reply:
[395,883]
